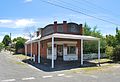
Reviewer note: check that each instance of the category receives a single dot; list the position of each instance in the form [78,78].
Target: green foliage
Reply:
[6,40]
[114,41]
[91,46]
[116,53]
[7,48]
[1,46]
[19,39]
[103,45]
[113,53]
[111,40]
[19,43]
[87,29]
[109,52]
[118,36]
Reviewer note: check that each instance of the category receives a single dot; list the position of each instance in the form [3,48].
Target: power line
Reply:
[80,12]
[98,6]
[94,7]
[74,5]
[81,3]
[68,4]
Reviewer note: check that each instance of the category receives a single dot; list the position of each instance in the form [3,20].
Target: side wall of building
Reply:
[28,49]
[43,49]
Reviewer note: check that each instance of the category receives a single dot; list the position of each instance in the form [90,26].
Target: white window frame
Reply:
[68,45]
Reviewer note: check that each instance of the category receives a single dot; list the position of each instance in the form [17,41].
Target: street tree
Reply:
[111,40]
[91,46]
[6,40]
[19,39]
[19,43]
[117,36]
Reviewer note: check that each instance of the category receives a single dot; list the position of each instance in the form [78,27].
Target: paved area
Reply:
[12,70]
[60,65]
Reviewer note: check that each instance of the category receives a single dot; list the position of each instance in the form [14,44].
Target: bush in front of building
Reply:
[113,53]
[7,48]
[19,45]
[116,53]
[109,52]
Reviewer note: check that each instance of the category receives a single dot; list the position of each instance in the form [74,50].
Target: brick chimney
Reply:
[37,33]
[55,26]
[81,29]
[65,26]
[41,32]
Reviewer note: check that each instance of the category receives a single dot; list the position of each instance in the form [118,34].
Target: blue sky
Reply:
[20,17]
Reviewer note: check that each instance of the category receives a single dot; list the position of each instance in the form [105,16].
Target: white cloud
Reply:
[24,22]
[6,21]
[17,23]
[19,35]
[1,38]
[3,33]
[27,1]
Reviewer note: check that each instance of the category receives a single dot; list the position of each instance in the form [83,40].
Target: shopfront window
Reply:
[49,50]
[71,49]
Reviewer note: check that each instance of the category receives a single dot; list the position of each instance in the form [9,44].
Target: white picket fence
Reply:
[93,56]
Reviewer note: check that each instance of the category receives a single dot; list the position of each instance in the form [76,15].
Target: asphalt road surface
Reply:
[11,70]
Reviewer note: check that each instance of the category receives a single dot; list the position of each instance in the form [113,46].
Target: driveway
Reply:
[12,70]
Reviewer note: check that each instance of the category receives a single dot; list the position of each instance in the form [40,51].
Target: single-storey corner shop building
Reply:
[59,40]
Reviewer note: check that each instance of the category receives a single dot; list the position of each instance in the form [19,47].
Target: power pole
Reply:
[31,44]
[10,43]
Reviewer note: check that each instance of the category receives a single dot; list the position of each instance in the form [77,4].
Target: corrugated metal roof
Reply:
[66,36]
[34,39]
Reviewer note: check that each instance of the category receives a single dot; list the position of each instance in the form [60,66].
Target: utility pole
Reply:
[31,44]
[10,43]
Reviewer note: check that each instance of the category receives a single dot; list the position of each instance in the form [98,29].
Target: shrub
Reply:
[7,48]
[109,52]
[19,45]
[1,46]
[116,53]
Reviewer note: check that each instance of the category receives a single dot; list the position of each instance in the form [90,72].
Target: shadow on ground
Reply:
[59,65]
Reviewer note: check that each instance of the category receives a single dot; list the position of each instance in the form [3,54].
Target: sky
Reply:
[21,17]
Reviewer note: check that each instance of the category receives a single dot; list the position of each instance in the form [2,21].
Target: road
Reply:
[12,70]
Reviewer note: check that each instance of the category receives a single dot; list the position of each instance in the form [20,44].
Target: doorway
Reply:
[60,52]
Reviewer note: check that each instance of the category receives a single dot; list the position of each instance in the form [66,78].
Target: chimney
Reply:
[65,26]
[37,33]
[55,26]
[42,32]
[81,29]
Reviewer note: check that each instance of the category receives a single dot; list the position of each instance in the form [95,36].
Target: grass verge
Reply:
[105,65]
[105,60]
[21,56]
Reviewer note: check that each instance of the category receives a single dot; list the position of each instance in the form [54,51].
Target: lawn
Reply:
[105,65]
[21,56]
[105,60]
